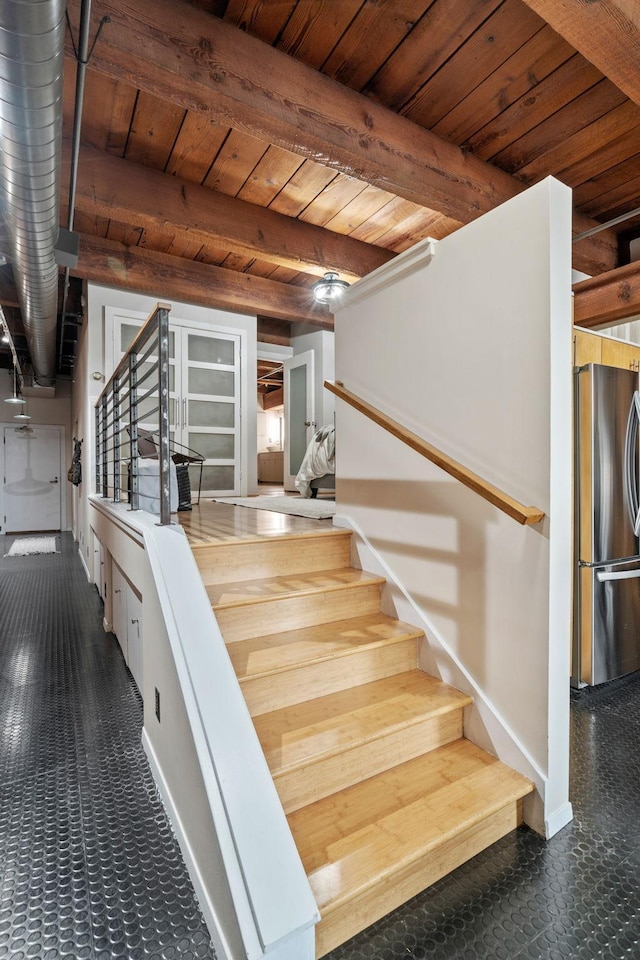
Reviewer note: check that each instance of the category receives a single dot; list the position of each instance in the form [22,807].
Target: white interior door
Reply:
[211,408]
[32,479]
[299,413]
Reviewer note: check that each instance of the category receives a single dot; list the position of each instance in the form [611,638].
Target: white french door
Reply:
[33,483]
[299,413]
[204,400]
[208,410]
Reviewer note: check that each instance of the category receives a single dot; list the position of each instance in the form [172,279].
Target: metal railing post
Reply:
[105,465]
[134,500]
[116,439]
[163,416]
[97,450]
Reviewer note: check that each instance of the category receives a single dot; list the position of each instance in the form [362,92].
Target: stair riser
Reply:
[348,919]
[308,681]
[229,562]
[312,782]
[291,613]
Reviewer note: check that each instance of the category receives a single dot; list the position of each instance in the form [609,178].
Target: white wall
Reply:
[86,390]
[473,352]
[54,411]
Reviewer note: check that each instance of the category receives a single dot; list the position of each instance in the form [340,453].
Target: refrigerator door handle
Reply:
[631,463]
[603,575]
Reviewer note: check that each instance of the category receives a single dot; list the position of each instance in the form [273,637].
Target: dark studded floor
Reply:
[89,867]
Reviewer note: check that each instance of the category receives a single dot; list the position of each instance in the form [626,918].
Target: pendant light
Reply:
[15,398]
[329,288]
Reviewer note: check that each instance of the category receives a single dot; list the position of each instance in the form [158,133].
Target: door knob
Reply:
[54,481]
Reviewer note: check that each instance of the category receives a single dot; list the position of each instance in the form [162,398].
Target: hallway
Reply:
[89,866]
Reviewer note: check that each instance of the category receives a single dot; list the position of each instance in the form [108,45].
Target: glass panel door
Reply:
[299,413]
[204,401]
[211,408]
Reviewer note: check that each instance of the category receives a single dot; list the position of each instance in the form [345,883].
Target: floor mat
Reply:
[27,546]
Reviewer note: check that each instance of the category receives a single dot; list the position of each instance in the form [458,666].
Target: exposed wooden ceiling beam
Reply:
[131,193]
[607,33]
[132,268]
[275,398]
[612,297]
[187,56]
[274,331]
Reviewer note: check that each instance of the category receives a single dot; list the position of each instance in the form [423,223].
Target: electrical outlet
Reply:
[157,704]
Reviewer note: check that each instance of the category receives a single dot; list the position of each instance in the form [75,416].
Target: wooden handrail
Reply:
[515,509]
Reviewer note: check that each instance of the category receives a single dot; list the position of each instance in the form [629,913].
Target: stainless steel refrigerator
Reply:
[606,642]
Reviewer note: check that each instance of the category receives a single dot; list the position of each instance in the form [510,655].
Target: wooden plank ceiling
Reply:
[235,149]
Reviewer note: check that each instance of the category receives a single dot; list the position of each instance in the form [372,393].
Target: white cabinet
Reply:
[98,566]
[204,405]
[120,587]
[127,622]
[134,637]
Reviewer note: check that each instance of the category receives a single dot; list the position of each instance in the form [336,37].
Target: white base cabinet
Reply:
[127,622]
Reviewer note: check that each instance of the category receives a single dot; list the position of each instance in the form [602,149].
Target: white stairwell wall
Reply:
[471,349]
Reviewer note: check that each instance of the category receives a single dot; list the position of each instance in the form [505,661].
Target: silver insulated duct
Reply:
[31,63]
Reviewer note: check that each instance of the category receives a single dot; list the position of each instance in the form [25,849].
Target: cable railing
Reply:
[132,425]
[513,508]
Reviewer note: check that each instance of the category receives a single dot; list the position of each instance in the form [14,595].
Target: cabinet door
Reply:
[588,348]
[97,564]
[134,636]
[618,353]
[120,588]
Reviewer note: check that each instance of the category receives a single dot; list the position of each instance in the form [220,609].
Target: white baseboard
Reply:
[558,819]
[218,939]
[107,626]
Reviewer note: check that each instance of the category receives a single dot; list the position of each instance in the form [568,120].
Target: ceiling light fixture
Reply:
[15,398]
[329,288]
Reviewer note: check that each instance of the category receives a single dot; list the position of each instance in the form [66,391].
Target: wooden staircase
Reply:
[382,792]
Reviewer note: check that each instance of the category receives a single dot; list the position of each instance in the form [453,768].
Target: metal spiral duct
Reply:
[31,65]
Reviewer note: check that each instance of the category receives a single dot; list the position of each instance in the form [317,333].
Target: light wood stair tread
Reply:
[305,732]
[261,656]
[351,840]
[202,548]
[276,588]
